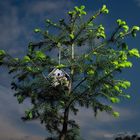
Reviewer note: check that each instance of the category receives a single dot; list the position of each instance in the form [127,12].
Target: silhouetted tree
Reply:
[128,137]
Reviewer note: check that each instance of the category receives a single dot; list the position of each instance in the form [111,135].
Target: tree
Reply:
[128,137]
[57,86]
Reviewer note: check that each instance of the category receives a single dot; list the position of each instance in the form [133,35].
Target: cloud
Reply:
[100,134]
[103,126]
[18,21]
[51,7]
[138,2]
[10,132]
[11,126]
[11,29]
[125,114]
[103,117]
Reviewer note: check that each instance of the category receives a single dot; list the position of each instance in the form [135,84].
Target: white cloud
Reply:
[38,11]
[41,7]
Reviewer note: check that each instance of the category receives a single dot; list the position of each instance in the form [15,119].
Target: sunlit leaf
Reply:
[26,59]
[40,55]
[116,114]
[114,100]
[134,52]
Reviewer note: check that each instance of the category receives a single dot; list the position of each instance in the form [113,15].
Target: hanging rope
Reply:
[72,57]
[59,53]
[72,51]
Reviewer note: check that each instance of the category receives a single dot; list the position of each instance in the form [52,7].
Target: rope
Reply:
[72,51]
[59,53]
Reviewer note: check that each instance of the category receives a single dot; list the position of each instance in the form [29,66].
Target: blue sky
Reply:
[17,21]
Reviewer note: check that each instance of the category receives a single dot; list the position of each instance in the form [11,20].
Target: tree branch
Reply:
[85,24]
[95,84]
[78,84]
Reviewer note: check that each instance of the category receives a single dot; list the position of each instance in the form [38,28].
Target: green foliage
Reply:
[90,73]
[2,55]
[124,47]
[136,28]
[37,30]
[101,32]
[40,55]
[26,59]
[61,66]
[104,9]
[126,28]
[124,64]
[114,100]
[134,52]
[2,52]
[124,84]
[72,36]
[128,96]
[122,23]
[20,98]
[78,11]
[29,114]
[116,114]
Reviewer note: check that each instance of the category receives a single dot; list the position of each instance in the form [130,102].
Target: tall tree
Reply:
[81,74]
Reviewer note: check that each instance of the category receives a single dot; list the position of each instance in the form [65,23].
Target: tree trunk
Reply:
[63,133]
[65,126]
